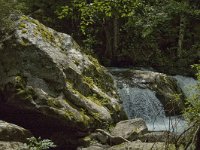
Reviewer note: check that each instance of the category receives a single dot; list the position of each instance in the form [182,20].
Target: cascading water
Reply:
[187,85]
[143,103]
[139,101]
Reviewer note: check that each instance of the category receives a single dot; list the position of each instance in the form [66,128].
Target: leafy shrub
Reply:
[9,10]
[192,112]
[192,115]
[39,144]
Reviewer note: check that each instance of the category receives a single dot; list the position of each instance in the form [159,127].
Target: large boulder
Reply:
[164,86]
[12,132]
[47,80]
[130,129]
[12,137]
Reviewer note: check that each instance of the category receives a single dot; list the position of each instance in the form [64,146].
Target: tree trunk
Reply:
[182,27]
[108,52]
[181,35]
[116,36]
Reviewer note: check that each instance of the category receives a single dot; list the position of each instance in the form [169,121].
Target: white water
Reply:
[187,85]
[173,124]
[142,103]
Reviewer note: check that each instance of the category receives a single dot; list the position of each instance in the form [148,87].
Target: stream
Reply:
[141,102]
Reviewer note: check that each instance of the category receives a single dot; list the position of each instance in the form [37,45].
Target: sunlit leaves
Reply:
[66,10]
[98,10]
[192,112]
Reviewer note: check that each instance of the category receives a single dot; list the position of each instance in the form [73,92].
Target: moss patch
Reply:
[22,26]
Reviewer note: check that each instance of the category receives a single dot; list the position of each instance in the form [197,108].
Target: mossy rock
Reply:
[45,75]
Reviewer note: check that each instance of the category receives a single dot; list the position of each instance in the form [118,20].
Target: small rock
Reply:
[12,146]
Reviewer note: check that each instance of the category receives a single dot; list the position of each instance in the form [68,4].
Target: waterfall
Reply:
[139,101]
[142,103]
[187,85]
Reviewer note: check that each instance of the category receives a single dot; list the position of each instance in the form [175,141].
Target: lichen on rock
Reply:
[44,74]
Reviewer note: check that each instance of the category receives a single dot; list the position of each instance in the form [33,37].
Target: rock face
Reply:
[48,81]
[165,87]
[12,137]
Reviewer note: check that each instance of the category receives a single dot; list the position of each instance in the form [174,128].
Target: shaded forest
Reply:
[163,34]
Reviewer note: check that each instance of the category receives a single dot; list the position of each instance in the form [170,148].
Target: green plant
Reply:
[191,136]
[9,10]
[192,112]
[39,144]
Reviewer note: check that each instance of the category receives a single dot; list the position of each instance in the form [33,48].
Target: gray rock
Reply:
[130,129]
[94,147]
[138,145]
[112,140]
[158,136]
[12,132]
[102,138]
[12,146]
[12,137]
[45,76]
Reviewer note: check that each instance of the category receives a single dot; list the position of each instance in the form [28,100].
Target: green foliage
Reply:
[192,112]
[144,30]
[97,11]
[39,144]
[9,9]
[192,115]
[149,26]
